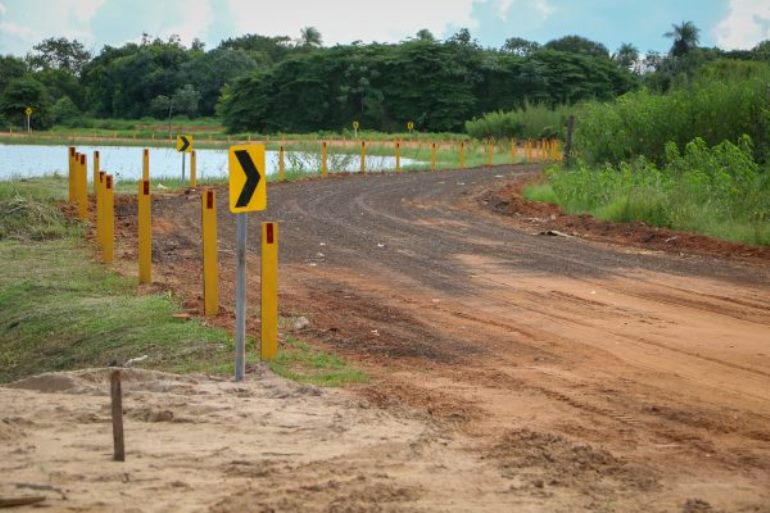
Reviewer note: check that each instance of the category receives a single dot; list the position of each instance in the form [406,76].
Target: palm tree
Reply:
[686,37]
[626,55]
[310,37]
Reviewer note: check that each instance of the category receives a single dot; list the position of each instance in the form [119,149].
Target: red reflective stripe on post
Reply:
[270,234]
[102,174]
[209,199]
[146,187]
[82,158]
[109,181]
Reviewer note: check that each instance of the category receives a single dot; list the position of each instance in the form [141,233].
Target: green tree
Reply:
[22,93]
[65,112]
[520,46]
[185,100]
[579,45]
[310,37]
[59,53]
[686,37]
[211,71]
[11,68]
[626,56]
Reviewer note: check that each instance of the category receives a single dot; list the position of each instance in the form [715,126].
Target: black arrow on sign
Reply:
[185,142]
[252,178]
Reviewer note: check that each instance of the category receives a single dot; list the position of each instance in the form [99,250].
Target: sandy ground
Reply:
[522,372]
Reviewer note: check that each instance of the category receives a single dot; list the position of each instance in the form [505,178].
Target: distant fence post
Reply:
[568,141]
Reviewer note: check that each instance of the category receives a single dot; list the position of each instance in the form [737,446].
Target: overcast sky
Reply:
[728,24]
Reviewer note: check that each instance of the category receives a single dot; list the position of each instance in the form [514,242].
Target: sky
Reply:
[728,24]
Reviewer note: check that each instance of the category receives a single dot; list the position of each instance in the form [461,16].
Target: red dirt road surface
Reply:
[568,375]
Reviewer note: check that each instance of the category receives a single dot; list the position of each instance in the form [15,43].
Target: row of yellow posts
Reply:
[103,192]
[544,150]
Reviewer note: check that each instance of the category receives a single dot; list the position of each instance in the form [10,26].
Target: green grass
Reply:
[301,362]
[718,191]
[542,192]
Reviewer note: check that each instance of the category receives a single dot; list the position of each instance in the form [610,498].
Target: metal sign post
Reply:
[248,193]
[241,225]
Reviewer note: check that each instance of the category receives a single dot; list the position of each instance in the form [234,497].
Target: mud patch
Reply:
[544,460]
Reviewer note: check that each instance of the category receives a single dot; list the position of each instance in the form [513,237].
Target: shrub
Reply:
[532,122]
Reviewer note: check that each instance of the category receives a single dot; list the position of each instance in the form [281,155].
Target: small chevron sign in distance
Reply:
[248,180]
[184,143]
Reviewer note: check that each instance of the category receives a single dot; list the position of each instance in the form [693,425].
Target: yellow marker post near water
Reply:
[433,157]
[146,164]
[193,169]
[363,157]
[82,188]
[72,155]
[269,281]
[324,166]
[109,220]
[281,164]
[210,252]
[95,175]
[144,218]
[100,210]
[490,153]
[462,155]
[398,157]
[513,151]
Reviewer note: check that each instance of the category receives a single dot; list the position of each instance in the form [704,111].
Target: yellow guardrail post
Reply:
[490,153]
[513,151]
[363,157]
[82,188]
[96,171]
[210,252]
[398,157]
[462,155]
[324,166]
[72,156]
[269,280]
[193,169]
[146,164]
[433,157]
[144,220]
[108,252]
[281,164]
[100,210]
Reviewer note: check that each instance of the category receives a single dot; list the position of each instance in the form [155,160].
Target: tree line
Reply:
[270,84]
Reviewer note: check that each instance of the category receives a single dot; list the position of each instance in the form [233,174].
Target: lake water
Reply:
[125,162]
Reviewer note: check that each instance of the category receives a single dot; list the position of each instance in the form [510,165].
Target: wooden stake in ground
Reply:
[116,392]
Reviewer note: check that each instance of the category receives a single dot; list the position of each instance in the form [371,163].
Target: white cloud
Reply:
[344,21]
[544,8]
[746,24]
[3,8]
[18,31]
[195,18]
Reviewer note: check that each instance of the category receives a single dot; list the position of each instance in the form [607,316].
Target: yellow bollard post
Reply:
[433,157]
[144,220]
[193,170]
[146,164]
[72,156]
[269,280]
[210,252]
[528,151]
[398,157]
[96,172]
[363,157]
[490,153]
[281,165]
[109,220]
[462,155]
[100,210]
[324,167]
[82,188]
[513,151]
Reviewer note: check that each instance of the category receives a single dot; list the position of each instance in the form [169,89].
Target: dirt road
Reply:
[582,377]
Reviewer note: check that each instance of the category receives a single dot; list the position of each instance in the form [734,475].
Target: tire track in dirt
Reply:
[658,359]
